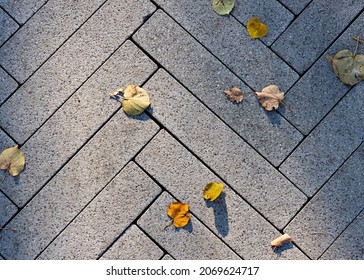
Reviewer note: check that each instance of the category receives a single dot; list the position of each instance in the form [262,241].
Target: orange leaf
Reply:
[256,29]
[178,211]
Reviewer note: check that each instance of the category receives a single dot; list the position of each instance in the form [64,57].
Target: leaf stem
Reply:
[7,228]
[167,224]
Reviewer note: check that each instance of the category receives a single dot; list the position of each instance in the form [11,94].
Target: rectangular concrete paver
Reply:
[7,210]
[333,208]
[223,150]
[207,78]
[296,6]
[7,26]
[350,244]
[229,216]
[54,207]
[42,35]
[8,86]
[71,65]
[134,244]
[5,141]
[22,10]
[329,144]
[194,241]
[105,218]
[167,257]
[314,30]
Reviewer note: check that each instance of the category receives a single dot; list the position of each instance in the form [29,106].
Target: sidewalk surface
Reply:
[97,182]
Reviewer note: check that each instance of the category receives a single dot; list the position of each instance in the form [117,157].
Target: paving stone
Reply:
[207,78]
[43,34]
[225,37]
[1,258]
[296,6]
[103,220]
[274,15]
[167,257]
[194,241]
[328,145]
[7,26]
[79,181]
[223,150]
[22,10]
[334,207]
[229,216]
[8,85]
[318,91]
[5,141]
[133,245]
[350,244]
[314,30]
[7,209]
[65,132]
[78,58]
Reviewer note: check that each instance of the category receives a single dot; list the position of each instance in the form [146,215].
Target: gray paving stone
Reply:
[78,58]
[194,241]
[207,78]
[22,10]
[5,141]
[272,13]
[79,181]
[1,258]
[328,145]
[229,217]
[8,85]
[167,257]
[225,37]
[7,209]
[65,132]
[43,34]
[350,244]
[7,26]
[314,30]
[317,92]
[330,211]
[133,245]
[223,150]
[103,220]
[296,6]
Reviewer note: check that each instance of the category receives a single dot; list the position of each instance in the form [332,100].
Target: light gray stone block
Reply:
[8,86]
[1,258]
[229,216]
[71,65]
[167,257]
[42,35]
[75,122]
[194,241]
[334,207]
[133,245]
[314,30]
[328,145]
[350,244]
[7,208]
[7,26]
[207,78]
[296,6]
[22,10]
[318,91]
[103,220]
[223,150]
[75,185]
[5,141]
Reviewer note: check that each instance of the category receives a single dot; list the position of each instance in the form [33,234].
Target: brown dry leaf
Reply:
[12,160]
[234,94]
[283,239]
[178,211]
[212,190]
[270,97]
[256,28]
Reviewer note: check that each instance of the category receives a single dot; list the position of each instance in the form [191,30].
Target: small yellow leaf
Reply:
[222,7]
[212,190]
[234,94]
[178,211]
[256,29]
[12,160]
[270,97]
[136,100]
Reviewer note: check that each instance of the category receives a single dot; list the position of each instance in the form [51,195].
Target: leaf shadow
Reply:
[278,251]
[188,227]
[274,117]
[220,214]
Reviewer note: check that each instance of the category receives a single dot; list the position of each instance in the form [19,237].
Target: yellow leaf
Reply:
[136,100]
[212,190]
[222,7]
[283,239]
[12,160]
[270,97]
[256,29]
[234,94]
[178,211]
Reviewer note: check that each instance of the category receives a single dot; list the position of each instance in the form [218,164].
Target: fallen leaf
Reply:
[234,94]
[283,239]
[136,100]
[12,160]
[222,7]
[212,190]
[178,211]
[256,28]
[270,97]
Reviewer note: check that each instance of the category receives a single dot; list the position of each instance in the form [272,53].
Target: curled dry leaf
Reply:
[222,7]
[234,94]
[178,211]
[256,28]
[212,190]
[12,160]
[270,97]
[136,100]
[283,239]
